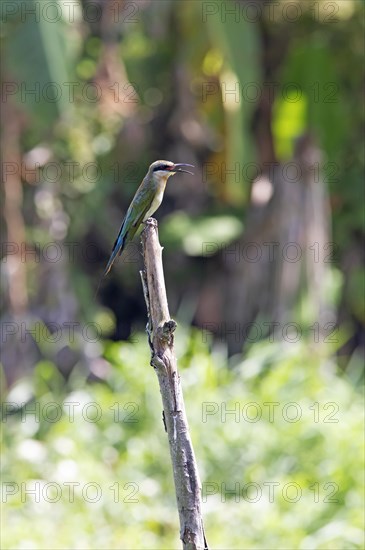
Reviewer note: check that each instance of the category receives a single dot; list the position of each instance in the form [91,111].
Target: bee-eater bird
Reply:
[146,200]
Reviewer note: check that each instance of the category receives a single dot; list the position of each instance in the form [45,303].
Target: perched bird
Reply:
[146,200]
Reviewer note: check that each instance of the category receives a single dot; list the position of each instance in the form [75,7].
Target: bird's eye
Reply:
[161,167]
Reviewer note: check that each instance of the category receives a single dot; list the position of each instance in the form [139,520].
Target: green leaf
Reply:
[35,53]
[310,88]
[240,86]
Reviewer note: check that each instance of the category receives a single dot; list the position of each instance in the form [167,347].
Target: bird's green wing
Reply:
[137,210]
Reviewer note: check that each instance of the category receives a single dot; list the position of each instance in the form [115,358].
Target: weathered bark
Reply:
[160,329]
[295,221]
[13,200]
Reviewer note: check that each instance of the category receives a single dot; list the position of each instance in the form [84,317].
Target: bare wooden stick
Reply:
[160,329]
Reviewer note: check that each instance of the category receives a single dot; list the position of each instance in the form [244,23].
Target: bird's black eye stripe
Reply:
[161,167]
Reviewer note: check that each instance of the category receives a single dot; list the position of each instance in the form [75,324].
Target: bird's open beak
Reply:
[177,168]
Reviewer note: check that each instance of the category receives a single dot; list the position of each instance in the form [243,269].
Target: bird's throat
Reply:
[160,182]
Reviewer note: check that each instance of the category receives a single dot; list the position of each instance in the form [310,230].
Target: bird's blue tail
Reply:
[117,250]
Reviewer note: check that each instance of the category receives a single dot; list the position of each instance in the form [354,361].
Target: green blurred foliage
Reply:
[152,68]
[282,415]
[160,62]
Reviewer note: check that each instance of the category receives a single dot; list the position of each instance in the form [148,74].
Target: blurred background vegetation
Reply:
[263,258]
